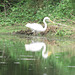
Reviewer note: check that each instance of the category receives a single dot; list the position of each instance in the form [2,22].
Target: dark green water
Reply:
[22,55]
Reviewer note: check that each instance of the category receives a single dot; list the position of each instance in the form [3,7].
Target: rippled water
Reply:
[28,55]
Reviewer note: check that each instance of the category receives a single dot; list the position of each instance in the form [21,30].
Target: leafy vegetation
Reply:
[25,11]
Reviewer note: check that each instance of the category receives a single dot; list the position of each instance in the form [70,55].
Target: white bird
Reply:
[37,46]
[37,27]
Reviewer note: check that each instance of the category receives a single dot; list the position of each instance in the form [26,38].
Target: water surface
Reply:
[28,55]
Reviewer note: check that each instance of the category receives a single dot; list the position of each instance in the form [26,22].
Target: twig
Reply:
[72,15]
[71,20]
[60,24]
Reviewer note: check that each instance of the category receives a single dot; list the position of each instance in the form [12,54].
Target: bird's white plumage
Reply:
[37,46]
[34,26]
[38,27]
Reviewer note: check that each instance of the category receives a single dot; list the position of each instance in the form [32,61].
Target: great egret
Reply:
[37,46]
[37,27]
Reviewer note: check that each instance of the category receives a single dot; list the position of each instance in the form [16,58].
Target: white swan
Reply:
[37,27]
[37,46]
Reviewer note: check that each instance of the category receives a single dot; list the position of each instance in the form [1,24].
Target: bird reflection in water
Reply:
[37,46]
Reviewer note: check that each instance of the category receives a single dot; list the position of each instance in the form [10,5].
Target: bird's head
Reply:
[48,19]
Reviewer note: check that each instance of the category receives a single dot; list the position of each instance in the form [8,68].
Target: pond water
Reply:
[29,55]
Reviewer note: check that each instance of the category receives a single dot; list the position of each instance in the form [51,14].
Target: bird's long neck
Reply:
[45,25]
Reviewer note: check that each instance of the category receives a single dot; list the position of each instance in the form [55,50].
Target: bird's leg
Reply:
[36,33]
[33,31]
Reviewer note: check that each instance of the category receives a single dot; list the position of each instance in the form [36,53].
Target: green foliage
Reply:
[63,32]
[64,9]
[25,11]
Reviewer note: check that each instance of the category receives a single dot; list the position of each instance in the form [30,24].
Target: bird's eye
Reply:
[48,20]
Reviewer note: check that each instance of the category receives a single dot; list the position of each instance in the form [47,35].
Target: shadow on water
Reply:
[24,55]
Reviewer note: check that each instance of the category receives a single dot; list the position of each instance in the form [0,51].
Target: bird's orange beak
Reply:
[51,21]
